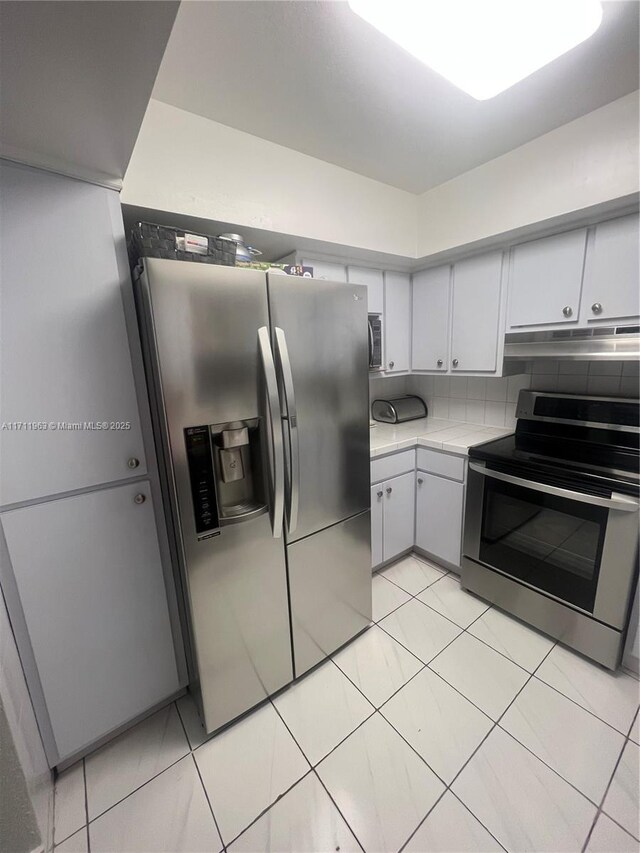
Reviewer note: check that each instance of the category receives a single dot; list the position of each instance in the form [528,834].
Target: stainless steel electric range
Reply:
[551,522]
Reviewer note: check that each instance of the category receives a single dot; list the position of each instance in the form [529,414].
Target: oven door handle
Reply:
[618,502]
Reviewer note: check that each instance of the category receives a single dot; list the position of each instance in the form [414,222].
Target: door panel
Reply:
[330,587]
[377,508]
[397,321]
[326,334]
[430,337]
[91,586]
[439,507]
[65,352]
[476,312]
[399,514]
[206,322]
[545,278]
[611,277]
[374,281]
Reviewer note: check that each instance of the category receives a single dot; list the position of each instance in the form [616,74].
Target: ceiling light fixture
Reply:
[483,46]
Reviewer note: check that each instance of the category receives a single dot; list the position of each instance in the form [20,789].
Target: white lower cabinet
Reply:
[377,513]
[439,511]
[392,517]
[90,583]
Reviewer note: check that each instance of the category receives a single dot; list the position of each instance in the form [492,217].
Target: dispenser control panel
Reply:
[203,487]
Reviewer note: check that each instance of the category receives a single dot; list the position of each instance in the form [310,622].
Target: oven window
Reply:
[554,544]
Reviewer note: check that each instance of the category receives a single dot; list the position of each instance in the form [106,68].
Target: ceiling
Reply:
[314,77]
[76,81]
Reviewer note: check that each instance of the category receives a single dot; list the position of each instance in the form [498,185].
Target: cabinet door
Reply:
[399,514]
[430,338]
[545,280]
[90,583]
[377,506]
[65,352]
[374,281]
[476,313]
[611,280]
[397,321]
[439,505]
[326,270]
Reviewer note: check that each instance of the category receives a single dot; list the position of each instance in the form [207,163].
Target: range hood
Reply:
[612,343]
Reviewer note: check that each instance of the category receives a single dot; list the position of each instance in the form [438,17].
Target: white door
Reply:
[611,280]
[90,582]
[326,270]
[377,507]
[545,280]
[374,281]
[399,514]
[439,507]
[65,352]
[430,335]
[397,321]
[476,313]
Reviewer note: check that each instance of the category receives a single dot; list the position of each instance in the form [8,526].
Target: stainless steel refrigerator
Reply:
[259,392]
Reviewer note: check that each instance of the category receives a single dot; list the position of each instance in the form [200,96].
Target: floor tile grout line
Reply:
[464,630]
[600,808]
[314,770]
[592,713]
[209,803]
[139,788]
[473,753]
[86,803]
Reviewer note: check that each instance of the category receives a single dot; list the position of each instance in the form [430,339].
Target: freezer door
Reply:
[214,386]
[324,325]
[330,583]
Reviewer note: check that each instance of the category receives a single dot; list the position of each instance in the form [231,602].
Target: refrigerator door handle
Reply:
[276,430]
[290,416]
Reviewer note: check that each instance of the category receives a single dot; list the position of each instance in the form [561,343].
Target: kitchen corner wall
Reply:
[492,401]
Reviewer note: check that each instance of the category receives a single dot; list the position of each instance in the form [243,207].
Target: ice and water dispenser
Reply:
[225,470]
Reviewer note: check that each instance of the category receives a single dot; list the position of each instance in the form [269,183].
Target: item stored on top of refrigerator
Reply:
[148,240]
[397,410]
[244,253]
[285,269]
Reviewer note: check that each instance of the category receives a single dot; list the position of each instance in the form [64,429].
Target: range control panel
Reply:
[203,488]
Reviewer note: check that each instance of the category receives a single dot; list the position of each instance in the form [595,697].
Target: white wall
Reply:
[187,164]
[24,730]
[591,160]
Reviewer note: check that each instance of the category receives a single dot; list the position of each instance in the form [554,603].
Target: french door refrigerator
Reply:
[259,393]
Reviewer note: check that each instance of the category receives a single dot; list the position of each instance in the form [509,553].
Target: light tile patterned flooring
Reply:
[447,726]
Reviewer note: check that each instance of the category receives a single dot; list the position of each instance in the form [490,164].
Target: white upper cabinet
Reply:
[65,353]
[397,322]
[325,269]
[430,337]
[545,280]
[374,281]
[611,281]
[88,573]
[475,327]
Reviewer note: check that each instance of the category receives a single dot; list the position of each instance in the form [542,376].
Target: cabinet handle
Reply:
[455,362]
[139,498]
[567,310]
[391,363]
[596,308]
[439,362]
[389,490]
[133,462]
[379,494]
[420,481]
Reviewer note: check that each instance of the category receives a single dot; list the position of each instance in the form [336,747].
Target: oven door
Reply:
[576,547]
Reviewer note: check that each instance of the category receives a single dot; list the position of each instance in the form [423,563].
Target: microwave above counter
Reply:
[375,342]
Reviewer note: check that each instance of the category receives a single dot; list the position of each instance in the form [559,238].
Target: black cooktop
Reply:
[590,442]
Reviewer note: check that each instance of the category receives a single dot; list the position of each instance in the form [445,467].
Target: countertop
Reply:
[453,436]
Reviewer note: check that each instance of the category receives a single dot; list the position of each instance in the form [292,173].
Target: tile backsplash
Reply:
[492,401]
